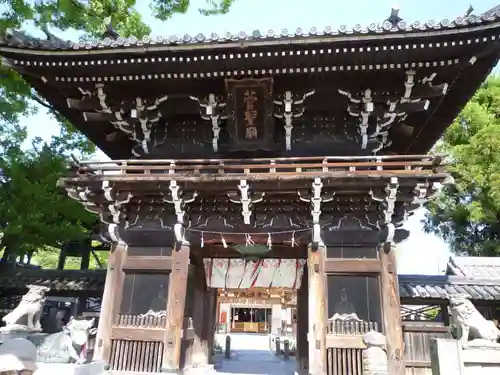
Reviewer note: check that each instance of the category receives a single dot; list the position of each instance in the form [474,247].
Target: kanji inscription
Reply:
[250,124]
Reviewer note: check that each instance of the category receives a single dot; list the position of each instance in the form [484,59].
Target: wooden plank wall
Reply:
[417,336]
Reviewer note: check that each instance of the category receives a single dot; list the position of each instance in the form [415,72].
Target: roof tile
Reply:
[442,287]
[493,15]
[474,266]
[56,280]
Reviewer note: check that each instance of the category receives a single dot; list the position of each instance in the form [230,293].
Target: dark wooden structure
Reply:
[307,143]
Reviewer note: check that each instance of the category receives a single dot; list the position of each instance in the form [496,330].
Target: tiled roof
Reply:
[442,287]
[486,267]
[402,27]
[56,280]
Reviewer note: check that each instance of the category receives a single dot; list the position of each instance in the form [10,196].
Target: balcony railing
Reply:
[265,168]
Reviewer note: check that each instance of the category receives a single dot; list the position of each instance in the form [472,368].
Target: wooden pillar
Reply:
[111,300]
[210,320]
[62,259]
[317,310]
[199,353]
[391,309]
[175,309]
[85,258]
[302,326]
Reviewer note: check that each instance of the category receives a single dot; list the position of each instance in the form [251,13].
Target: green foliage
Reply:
[48,258]
[35,214]
[33,211]
[468,215]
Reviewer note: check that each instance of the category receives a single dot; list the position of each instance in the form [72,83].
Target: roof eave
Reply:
[126,46]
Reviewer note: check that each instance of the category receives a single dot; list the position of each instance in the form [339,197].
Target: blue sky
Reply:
[421,253]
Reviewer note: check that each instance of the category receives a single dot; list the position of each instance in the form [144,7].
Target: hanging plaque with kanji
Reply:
[250,122]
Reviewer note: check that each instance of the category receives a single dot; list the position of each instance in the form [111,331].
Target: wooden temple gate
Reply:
[270,145]
[151,319]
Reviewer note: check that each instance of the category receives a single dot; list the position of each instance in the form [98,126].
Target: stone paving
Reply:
[251,356]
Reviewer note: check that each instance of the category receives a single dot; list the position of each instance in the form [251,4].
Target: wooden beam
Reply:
[414,326]
[111,300]
[138,334]
[391,310]
[345,342]
[175,309]
[342,266]
[148,263]
[317,306]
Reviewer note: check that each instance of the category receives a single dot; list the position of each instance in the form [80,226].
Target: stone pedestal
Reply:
[35,337]
[374,357]
[93,368]
[479,357]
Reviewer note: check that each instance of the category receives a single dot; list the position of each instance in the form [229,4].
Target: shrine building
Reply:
[270,162]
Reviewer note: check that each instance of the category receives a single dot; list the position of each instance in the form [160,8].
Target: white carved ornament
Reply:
[289,113]
[212,110]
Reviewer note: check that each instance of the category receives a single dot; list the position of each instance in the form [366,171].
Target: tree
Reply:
[33,212]
[467,215]
[91,17]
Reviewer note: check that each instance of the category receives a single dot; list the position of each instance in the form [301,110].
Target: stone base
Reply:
[480,343]
[93,368]
[19,328]
[200,370]
[35,337]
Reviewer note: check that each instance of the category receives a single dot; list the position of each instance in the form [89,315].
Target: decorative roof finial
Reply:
[469,11]
[394,18]
[110,32]
[50,37]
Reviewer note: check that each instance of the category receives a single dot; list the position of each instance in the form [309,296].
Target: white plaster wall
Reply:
[481,361]
[482,370]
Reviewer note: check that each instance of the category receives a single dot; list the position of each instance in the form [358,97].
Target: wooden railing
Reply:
[291,167]
[344,343]
[139,321]
[136,355]
[339,327]
[137,341]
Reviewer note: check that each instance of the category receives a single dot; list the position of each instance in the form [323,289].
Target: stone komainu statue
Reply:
[69,345]
[26,316]
[468,322]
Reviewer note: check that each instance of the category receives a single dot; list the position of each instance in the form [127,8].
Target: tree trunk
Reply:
[8,256]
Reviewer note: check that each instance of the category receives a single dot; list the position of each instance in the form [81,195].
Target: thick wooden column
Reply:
[302,326]
[111,300]
[391,308]
[199,353]
[210,320]
[317,310]
[175,309]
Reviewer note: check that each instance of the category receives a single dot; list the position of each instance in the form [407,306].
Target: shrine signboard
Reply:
[250,121]
[255,303]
